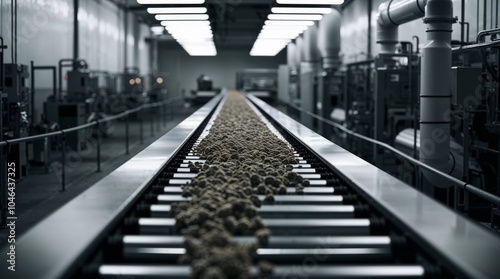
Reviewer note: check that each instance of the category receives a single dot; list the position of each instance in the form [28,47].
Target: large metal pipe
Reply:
[310,48]
[299,48]
[76,36]
[393,13]
[435,97]
[291,55]
[329,39]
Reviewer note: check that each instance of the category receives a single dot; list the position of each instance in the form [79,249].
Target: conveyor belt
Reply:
[332,230]
[327,222]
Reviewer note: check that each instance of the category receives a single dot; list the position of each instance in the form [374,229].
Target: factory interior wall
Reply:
[354,31]
[45,35]
[183,70]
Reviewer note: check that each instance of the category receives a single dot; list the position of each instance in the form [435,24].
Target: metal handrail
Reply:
[85,126]
[462,184]
[62,135]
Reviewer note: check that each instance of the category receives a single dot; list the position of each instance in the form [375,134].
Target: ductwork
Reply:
[310,47]
[329,39]
[435,96]
[291,55]
[393,13]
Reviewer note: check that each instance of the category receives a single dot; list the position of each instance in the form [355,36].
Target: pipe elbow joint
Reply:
[387,31]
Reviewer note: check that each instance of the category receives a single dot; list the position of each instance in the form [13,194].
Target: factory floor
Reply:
[39,194]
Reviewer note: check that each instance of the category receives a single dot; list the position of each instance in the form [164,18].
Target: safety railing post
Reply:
[3,186]
[46,154]
[163,115]
[158,122]
[63,161]
[141,126]
[126,133]
[151,118]
[171,109]
[98,147]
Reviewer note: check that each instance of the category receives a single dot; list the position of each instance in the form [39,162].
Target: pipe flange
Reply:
[389,14]
[440,19]
[387,42]
[439,30]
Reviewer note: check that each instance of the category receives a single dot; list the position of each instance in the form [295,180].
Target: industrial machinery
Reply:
[133,84]
[262,83]
[75,104]
[358,106]
[352,221]
[15,113]
[396,80]
[404,97]
[158,85]
[205,90]
[133,90]
[380,101]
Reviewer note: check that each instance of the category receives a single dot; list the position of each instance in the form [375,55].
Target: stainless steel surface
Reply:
[275,255]
[71,232]
[279,272]
[464,245]
[270,211]
[172,190]
[175,241]
[167,199]
[313,227]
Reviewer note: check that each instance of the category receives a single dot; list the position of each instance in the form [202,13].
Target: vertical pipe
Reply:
[14,44]
[125,29]
[485,15]
[369,50]
[496,19]
[491,14]
[32,99]
[435,98]
[462,22]
[477,15]
[12,30]
[76,5]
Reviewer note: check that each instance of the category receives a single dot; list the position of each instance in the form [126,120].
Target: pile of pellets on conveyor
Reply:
[243,159]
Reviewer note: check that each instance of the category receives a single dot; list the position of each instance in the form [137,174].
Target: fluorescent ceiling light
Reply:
[158,2]
[182,17]
[189,29]
[294,17]
[283,36]
[187,10]
[201,51]
[311,2]
[290,22]
[185,23]
[284,28]
[301,10]
[194,40]
[191,36]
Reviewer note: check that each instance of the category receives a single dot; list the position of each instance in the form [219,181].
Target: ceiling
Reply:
[235,23]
